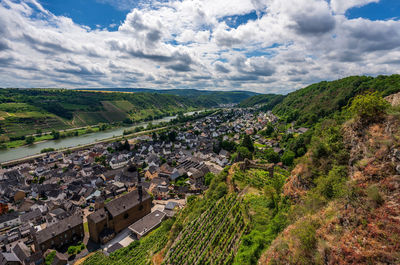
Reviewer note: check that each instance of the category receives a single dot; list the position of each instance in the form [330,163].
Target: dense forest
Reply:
[268,101]
[311,104]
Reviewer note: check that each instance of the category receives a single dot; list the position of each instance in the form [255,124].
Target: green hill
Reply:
[206,97]
[308,105]
[268,101]
[23,111]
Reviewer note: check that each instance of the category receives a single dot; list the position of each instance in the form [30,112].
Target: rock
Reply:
[394,99]
[398,169]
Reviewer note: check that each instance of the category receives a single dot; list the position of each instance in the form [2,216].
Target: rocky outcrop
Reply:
[362,227]
[394,99]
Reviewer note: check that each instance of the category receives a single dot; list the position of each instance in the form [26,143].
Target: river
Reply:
[24,151]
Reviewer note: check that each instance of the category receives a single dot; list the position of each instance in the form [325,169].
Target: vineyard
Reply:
[138,252]
[212,238]
[258,178]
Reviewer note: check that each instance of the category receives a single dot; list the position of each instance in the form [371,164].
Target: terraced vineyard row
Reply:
[213,237]
[255,177]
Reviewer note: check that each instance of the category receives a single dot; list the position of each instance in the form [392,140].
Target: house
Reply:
[118,214]
[196,176]
[9,220]
[149,222]
[161,191]
[302,130]
[26,256]
[151,172]
[64,232]
[34,216]
[169,208]
[119,161]
[9,259]
[165,171]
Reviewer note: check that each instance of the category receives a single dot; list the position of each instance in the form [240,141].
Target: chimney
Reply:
[140,192]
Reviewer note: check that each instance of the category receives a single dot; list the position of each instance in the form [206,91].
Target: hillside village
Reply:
[107,195]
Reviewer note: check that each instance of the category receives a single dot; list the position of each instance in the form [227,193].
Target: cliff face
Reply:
[361,227]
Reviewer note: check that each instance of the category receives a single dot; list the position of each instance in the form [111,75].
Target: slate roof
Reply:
[170,205]
[147,223]
[26,217]
[58,228]
[114,247]
[9,216]
[127,201]
[10,257]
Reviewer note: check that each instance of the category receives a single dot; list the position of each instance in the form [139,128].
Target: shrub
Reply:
[45,150]
[243,153]
[374,195]
[332,186]
[50,257]
[288,158]
[29,139]
[71,250]
[271,156]
[368,107]
[207,178]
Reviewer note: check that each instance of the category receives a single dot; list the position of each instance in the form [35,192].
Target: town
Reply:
[67,204]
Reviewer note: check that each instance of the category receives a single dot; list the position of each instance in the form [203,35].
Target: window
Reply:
[140,207]
[126,215]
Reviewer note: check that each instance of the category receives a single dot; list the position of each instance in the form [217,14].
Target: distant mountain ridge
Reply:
[218,97]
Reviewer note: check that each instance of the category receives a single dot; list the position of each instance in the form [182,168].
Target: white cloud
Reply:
[341,6]
[188,43]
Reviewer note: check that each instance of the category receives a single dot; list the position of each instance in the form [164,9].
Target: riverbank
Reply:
[33,151]
[81,147]
[35,138]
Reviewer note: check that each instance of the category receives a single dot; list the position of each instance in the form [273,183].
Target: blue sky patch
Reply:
[384,10]
[87,12]
[237,20]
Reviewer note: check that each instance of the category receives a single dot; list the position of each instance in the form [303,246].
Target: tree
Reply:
[29,139]
[172,136]
[288,158]
[127,146]
[55,134]
[228,146]
[207,178]
[271,156]
[154,136]
[368,107]
[243,153]
[248,143]
[163,137]
[268,130]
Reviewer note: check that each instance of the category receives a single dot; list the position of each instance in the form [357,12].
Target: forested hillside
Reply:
[24,111]
[268,101]
[309,105]
[204,96]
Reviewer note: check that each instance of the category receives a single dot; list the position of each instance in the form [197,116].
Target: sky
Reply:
[266,46]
